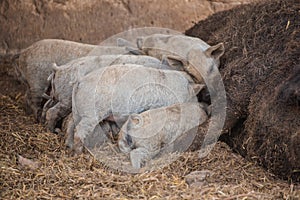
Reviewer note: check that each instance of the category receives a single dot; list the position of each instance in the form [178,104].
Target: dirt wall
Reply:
[91,21]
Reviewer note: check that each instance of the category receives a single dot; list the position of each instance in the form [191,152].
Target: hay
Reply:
[110,156]
[63,176]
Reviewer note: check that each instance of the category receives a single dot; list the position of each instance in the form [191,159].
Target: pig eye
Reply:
[129,140]
[211,69]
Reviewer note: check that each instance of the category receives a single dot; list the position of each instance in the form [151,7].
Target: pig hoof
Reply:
[38,115]
[50,127]
[78,146]
[69,145]
[69,142]
[42,120]
[58,131]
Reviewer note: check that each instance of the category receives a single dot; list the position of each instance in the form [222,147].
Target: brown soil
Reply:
[260,71]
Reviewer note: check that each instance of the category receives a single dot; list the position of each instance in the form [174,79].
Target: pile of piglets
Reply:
[119,92]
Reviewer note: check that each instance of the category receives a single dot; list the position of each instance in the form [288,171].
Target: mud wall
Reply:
[23,22]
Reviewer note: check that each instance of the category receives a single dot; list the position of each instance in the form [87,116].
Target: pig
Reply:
[67,75]
[119,90]
[262,113]
[190,54]
[34,65]
[144,135]
[104,131]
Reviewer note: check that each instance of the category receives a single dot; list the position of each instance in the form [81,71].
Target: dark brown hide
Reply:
[261,72]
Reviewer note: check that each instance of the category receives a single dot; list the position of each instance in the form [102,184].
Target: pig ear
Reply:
[175,62]
[139,42]
[215,51]
[55,67]
[124,43]
[134,51]
[134,121]
[197,88]
[46,96]
[50,77]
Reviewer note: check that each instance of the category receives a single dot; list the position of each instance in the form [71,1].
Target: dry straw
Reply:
[61,175]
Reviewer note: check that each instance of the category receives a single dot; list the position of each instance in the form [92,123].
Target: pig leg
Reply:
[115,131]
[28,109]
[70,133]
[84,128]
[140,155]
[50,103]
[36,102]
[34,105]
[55,114]
[99,136]
[233,115]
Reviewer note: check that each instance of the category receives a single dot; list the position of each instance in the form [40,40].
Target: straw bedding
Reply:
[53,173]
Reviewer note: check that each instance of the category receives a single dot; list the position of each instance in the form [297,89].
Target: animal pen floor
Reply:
[60,175]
